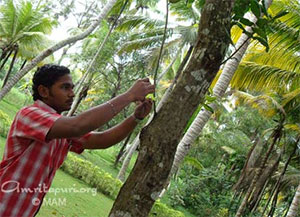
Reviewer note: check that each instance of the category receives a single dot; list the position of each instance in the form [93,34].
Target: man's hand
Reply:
[143,109]
[140,90]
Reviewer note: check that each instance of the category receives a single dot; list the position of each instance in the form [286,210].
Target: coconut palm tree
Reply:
[23,31]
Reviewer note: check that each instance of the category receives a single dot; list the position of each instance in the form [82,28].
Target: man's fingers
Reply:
[145,80]
[151,89]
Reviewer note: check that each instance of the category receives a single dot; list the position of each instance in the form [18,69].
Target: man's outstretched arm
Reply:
[68,127]
[116,134]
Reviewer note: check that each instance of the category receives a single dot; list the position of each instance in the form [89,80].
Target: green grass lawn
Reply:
[89,203]
[105,159]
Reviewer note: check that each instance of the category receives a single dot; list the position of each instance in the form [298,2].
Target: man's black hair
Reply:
[47,75]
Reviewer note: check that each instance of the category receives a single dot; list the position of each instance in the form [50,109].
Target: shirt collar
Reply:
[44,106]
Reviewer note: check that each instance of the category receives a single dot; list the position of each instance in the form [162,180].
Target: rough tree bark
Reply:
[160,138]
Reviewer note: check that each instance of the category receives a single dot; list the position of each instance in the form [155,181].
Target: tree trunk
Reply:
[160,138]
[10,67]
[276,135]
[278,182]
[80,96]
[265,176]
[121,152]
[56,47]
[166,95]
[293,210]
[6,58]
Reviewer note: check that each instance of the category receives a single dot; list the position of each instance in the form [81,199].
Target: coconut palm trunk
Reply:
[293,210]
[218,91]
[276,188]
[10,67]
[159,139]
[56,47]
[276,136]
[6,58]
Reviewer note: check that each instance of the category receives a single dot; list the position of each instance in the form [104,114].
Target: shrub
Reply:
[4,123]
[92,175]
[161,210]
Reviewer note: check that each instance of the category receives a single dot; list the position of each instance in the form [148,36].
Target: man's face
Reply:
[60,94]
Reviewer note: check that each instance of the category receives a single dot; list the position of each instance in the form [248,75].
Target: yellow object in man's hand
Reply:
[150,96]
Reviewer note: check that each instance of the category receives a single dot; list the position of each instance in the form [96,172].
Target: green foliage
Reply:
[5,123]
[92,175]
[203,185]
[260,29]
[204,195]
[162,210]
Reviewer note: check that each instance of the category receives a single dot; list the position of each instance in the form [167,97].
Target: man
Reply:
[40,137]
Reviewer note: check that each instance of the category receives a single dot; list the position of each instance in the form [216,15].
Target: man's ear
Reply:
[43,91]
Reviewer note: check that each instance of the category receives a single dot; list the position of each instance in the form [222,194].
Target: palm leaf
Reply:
[135,22]
[294,127]
[286,29]
[261,77]
[186,11]
[291,96]
[193,162]
[265,104]
[139,44]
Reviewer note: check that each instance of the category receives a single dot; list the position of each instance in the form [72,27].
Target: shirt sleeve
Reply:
[77,143]
[34,123]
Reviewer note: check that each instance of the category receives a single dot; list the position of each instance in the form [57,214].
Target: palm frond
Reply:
[185,11]
[8,17]
[286,29]
[278,57]
[265,104]
[118,5]
[287,98]
[187,33]
[261,77]
[135,22]
[139,43]
[294,127]
[28,26]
